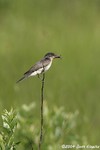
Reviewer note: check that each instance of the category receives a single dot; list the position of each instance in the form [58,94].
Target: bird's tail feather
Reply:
[21,79]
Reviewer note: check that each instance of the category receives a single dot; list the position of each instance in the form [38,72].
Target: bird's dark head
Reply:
[52,56]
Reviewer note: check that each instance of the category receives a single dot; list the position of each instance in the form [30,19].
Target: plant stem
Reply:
[42,98]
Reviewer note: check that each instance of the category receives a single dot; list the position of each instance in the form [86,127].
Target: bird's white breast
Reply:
[48,66]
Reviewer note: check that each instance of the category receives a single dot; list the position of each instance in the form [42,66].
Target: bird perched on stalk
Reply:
[40,67]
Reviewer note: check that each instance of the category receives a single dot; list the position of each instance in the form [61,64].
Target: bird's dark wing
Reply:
[40,64]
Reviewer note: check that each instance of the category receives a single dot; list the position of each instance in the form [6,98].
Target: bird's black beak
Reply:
[57,56]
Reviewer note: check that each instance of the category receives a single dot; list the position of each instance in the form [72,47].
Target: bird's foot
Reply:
[39,77]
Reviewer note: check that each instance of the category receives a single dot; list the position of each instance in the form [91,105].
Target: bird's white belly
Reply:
[39,71]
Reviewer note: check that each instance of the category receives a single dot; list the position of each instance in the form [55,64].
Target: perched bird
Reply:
[40,67]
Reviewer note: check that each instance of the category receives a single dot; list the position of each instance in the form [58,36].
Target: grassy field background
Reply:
[28,30]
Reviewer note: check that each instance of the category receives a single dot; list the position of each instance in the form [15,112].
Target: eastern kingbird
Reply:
[40,67]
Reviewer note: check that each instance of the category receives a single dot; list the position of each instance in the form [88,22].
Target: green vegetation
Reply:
[59,127]
[28,30]
[9,124]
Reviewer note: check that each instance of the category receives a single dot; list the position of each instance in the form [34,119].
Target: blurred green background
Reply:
[31,28]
